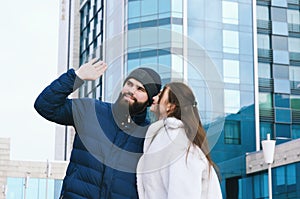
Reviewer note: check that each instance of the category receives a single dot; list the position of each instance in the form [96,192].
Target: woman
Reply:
[176,162]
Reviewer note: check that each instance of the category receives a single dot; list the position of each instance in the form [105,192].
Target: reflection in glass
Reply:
[295,131]
[231,101]
[266,128]
[263,41]
[294,44]
[282,100]
[264,70]
[231,71]
[230,12]
[262,13]
[230,41]
[265,101]
[232,132]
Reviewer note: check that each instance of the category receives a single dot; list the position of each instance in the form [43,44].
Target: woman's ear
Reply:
[170,108]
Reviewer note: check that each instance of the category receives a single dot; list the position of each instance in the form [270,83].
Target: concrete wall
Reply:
[21,169]
[285,154]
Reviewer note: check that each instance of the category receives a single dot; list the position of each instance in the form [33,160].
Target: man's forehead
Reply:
[136,82]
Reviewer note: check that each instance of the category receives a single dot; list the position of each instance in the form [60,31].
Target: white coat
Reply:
[166,171]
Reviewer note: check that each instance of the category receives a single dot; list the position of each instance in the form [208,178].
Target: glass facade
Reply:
[278,69]
[33,188]
[91,43]
[209,45]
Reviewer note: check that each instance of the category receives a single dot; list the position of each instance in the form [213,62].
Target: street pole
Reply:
[270,180]
[268,151]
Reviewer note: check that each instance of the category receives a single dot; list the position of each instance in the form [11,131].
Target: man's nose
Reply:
[132,89]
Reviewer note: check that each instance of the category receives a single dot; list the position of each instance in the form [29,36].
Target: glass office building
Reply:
[241,58]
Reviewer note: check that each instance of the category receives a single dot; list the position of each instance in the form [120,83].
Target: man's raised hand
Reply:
[91,70]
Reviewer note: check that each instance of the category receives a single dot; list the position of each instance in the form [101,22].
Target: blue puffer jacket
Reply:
[105,152]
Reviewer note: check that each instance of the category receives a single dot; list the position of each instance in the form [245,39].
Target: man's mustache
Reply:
[129,94]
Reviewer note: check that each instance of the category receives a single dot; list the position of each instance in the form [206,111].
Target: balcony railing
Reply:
[265,55]
[266,115]
[294,58]
[265,85]
[294,27]
[264,26]
[296,116]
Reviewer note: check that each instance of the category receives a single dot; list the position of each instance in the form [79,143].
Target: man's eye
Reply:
[142,89]
[129,83]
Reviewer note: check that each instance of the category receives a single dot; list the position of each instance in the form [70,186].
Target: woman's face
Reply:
[160,104]
[154,105]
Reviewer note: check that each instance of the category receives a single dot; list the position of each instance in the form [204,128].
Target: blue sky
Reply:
[28,47]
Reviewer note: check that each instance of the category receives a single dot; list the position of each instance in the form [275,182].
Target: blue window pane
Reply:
[282,100]
[283,131]
[266,128]
[280,28]
[282,86]
[265,192]
[132,64]
[295,102]
[280,57]
[232,132]
[134,9]
[164,6]
[295,131]
[283,115]
[280,176]
[164,65]
[291,174]
[149,7]
[15,188]
[150,62]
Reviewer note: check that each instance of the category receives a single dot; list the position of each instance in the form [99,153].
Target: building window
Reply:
[266,128]
[285,178]
[230,12]
[262,13]
[231,101]
[295,131]
[35,188]
[230,41]
[265,101]
[264,70]
[282,86]
[260,186]
[150,8]
[280,71]
[263,41]
[280,176]
[232,132]
[134,8]
[295,102]
[282,100]
[294,44]
[231,71]
[283,131]
[293,17]
[294,75]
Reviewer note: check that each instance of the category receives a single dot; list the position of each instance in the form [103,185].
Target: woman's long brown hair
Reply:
[186,110]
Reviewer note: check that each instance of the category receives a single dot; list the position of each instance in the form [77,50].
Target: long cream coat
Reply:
[165,171]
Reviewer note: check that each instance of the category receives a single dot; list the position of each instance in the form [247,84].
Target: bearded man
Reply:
[109,136]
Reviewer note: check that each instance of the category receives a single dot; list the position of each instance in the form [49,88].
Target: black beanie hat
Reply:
[150,80]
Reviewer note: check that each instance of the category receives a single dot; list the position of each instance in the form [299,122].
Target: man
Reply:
[109,137]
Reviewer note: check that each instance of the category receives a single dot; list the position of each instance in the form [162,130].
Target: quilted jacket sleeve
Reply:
[53,103]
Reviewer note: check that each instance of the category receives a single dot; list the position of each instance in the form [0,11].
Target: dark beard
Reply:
[134,109]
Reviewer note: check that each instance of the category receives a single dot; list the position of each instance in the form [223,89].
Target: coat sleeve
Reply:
[53,103]
[185,180]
